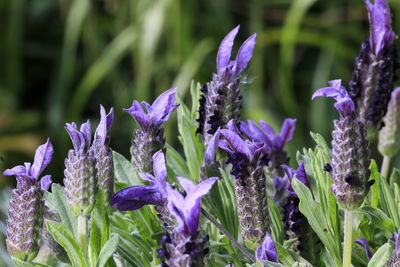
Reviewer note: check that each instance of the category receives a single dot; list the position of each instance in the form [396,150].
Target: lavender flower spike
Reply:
[80,174]
[350,153]
[251,200]
[184,246]
[103,154]
[374,69]
[267,250]
[221,100]
[150,137]
[25,213]
[389,135]
[135,197]
[395,259]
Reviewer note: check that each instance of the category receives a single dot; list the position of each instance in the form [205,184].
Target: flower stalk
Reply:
[348,232]
[82,232]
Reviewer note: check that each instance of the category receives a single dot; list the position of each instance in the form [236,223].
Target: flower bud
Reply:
[389,136]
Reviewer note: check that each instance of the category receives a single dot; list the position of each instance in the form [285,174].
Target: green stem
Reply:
[348,232]
[82,235]
[385,166]
[242,248]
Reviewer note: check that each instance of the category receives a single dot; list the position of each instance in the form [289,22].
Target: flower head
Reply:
[231,68]
[344,104]
[380,25]
[135,197]
[152,116]
[266,134]
[267,250]
[43,156]
[186,209]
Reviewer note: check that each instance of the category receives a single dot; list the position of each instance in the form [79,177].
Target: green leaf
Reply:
[381,256]
[283,255]
[375,188]
[176,162]
[395,177]
[99,228]
[388,202]
[379,219]
[57,202]
[124,171]
[68,242]
[191,142]
[312,210]
[108,249]
[277,230]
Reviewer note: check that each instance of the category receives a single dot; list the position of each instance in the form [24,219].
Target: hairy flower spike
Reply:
[247,162]
[25,213]
[103,154]
[374,69]
[150,137]
[389,136]
[350,153]
[184,247]
[80,173]
[222,100]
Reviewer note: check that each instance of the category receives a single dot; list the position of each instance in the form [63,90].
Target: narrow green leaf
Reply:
[66,239]
[375,188]
[108,249]
[312,210]
[124,171]
[99,228]
[277,230]
[176,162]
[389,203]
[379,219]
[57,202]
[381,256]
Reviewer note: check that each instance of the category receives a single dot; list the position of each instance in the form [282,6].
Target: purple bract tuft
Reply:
[267,250]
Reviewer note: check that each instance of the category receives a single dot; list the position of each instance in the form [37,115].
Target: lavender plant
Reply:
[260,212]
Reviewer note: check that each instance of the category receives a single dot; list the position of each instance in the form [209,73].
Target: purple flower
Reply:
[43,156]
[80,138]
[380,25]
[267,250]
[152,116]
[265,134]
[231,68]
[135,197]
[300,174]
[344,104]
[25,213]
[100,136]
[363,242]
[187,209]
[221,99]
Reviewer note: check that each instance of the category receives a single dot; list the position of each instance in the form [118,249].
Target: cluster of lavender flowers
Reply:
[253,153]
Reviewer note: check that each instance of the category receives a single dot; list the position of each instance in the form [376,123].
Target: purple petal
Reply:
[225,50]
[244,54]
[43,156]
[209,155]
[100,135]
[138,113]
[267,250]
[192,202]
[236,142]
[163,107]
[252,131]
[159,168]
[45,182]
[345,107]
[363,242]
[269,131]
[175,205]
[17,171]
[86,131]
[280,185]
[76,136]
[380,24]
[286,134]
[135,197]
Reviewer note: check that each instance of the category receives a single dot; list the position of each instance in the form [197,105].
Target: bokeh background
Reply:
[60,59]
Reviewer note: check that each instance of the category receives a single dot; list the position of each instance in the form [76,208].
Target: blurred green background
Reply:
[60,59]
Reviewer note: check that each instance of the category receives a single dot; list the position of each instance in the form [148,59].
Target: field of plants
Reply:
[199,133]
